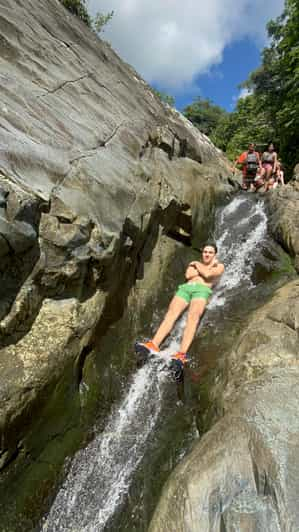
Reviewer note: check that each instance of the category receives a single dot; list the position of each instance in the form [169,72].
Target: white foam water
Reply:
[231,208]
[101,474]
[236,246]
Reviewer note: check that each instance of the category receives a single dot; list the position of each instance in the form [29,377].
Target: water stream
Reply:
[100,476]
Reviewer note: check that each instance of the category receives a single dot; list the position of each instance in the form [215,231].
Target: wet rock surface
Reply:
[93,167]
[243,474]
[284,220]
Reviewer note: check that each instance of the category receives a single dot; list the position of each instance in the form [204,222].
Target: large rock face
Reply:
[284,218]
[92,167]
[244,473]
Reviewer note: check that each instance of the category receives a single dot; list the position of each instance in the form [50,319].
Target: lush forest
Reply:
[270,111]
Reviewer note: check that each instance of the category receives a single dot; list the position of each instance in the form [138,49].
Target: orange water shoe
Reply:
[147,347]
[183,357]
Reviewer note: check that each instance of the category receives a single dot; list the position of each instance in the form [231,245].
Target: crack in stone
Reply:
[71,47]
[102,85]
[288,325]
[62,85]
[101,144]
[11,249]
[65,43]
[115,130]
[34,82]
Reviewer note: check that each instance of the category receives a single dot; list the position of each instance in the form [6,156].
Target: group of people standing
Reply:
[260,170]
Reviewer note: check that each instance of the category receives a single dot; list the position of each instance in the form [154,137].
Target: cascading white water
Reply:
[100,475]
[237,244]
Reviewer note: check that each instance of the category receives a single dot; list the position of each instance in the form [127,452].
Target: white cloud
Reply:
[244,93]
[172,41]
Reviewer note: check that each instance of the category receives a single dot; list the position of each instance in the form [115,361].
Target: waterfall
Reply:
[241,228]
[100,474]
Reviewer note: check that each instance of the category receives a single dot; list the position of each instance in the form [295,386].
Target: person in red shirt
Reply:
[250,161]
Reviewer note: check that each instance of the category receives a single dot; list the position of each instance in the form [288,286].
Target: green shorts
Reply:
[189,291]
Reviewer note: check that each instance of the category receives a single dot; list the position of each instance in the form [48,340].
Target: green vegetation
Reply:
[101,20]
[165,98]
[248,123]
[270,112]
[79,8]
[204,114]
[276,82]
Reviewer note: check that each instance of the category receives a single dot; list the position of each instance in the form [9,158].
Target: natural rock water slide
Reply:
[100,477]
[243,473]
[95,175]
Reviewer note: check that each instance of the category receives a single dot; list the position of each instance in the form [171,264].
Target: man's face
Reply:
[208,254]
[251,147]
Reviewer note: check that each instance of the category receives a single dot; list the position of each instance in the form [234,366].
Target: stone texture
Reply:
[39,359]
[92,168]
[243,474]
[296,172]
[283,204]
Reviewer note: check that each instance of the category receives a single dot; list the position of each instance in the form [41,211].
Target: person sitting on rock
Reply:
[269,165]
[201,277]
[279,176]
[250,161]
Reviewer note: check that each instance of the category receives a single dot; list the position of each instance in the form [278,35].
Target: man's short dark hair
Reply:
[212,245]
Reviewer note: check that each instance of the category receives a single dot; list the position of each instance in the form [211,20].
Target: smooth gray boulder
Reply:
[283,205]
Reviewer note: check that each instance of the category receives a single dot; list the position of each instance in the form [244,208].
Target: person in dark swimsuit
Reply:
[269,166]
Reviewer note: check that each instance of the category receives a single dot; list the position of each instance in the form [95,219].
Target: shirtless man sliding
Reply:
[195,293]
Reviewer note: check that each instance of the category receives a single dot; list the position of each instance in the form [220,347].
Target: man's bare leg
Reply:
[175,309]
[268,177]
[196,310]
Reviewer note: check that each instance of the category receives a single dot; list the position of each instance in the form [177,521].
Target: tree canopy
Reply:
[270,112]
[276,82]
[204,114]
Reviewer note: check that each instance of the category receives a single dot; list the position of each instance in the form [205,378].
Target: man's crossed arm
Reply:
[209,273]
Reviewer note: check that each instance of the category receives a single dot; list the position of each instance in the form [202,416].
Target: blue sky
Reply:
[221,83]
[190,48]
